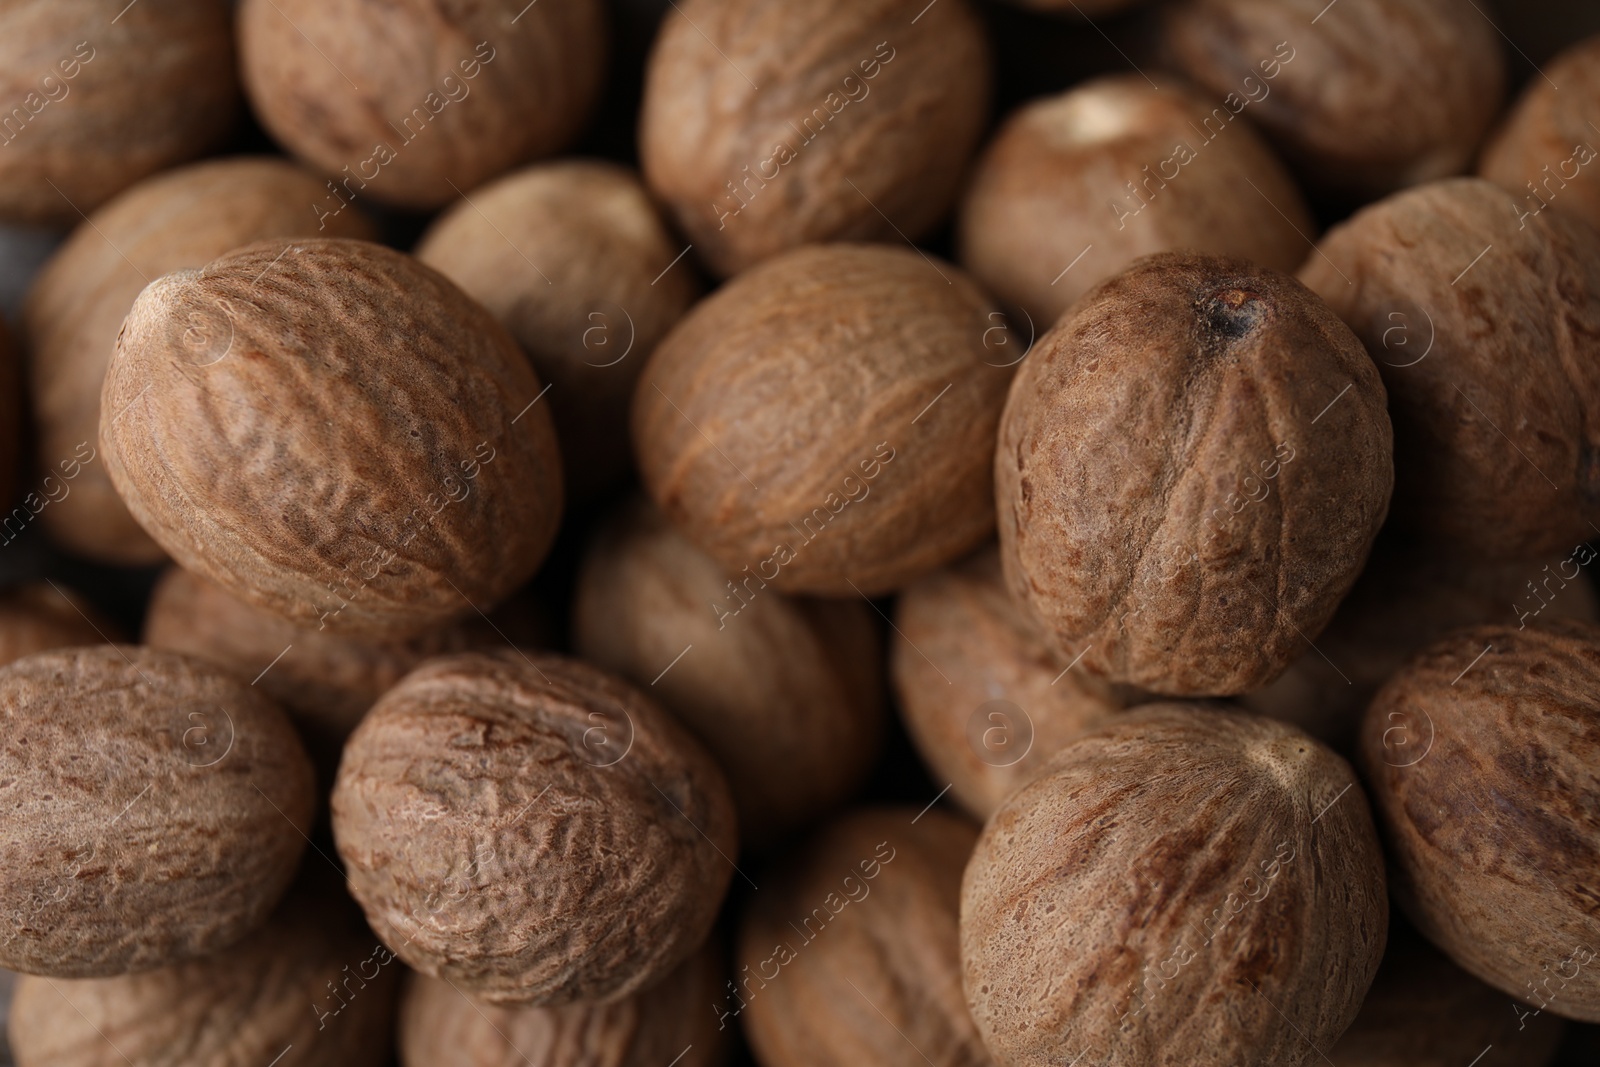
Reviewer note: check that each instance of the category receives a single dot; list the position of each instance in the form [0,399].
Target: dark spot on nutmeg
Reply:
[1232,312]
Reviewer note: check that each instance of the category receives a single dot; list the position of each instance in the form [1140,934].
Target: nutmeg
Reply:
[532,830]
[1486,329]
[1185,856]
[1074,187]
[573,258]
[335,433]
[825,422]
[175,221]
[759,145]
[1191,469]
[1481,755]
[786,692]
[40,616]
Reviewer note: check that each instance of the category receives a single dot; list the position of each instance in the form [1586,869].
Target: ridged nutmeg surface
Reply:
[1191,469]
[759,118]
[1189,886]
[848,953]
[1485,324]
[824,423]
[156,810]
[333,432]
[1483,757]
[532,830]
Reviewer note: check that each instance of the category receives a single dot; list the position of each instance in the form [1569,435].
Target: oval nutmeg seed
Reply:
[1188,886]
[333,432]
[532,830]
[156,810]
[1192,467]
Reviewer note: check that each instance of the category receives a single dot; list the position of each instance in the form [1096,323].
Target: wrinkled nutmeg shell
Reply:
[849,952]
[1188,886]
[532,830]
[156,810]
[40,616]
[1192,467]
[786,692]
[758,119]
[413,103]
[824,423]
[1491,358]
[175,221]
[335,433]
[1483,756]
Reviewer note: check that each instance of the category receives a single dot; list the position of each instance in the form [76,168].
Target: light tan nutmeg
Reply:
[826,421]
[1483,757]
[1189,886]
[333,432]
[413,103]
[41,616]
[157,809]
[848,954]
[574,259]
[1191,469]
[532,829]
[985,701]
[768,126]
[179,220]
[98,95]
[1076,186]
[786,692]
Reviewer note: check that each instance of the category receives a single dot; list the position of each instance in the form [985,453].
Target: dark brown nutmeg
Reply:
[11,433]
[786,692]
[1074,187]
[334,432]
[412,103]
[1483,756]
[1192,467]
[849,953]
[40,616]
[1484,320]
[1184,856]
[532,830]
[156,810]
[760,145]
[825,422]
[1377,95]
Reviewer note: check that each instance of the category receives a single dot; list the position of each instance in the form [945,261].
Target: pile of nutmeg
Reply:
[800,533]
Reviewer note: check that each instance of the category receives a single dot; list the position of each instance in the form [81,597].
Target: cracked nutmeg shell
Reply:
[1484,320]
[1191,470]
[768,126]
[1483,757]
[156,810]
[532,830]
[333,432]
[824,423]
[1189,886]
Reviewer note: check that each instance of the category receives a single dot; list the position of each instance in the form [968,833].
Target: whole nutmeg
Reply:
[532,830]
[849,955]
[985,702]
[573,258]
[40,616]
[179,220]
[157,810]
[98,96]
[1190,885]
[1075,187]
[825,422]
[335,433]
[1191,469]
[863,134]
[412,103]
[1483,756]
[1543,149]
[786,692]
[1361,98]
[665,1024]
[1486,329]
